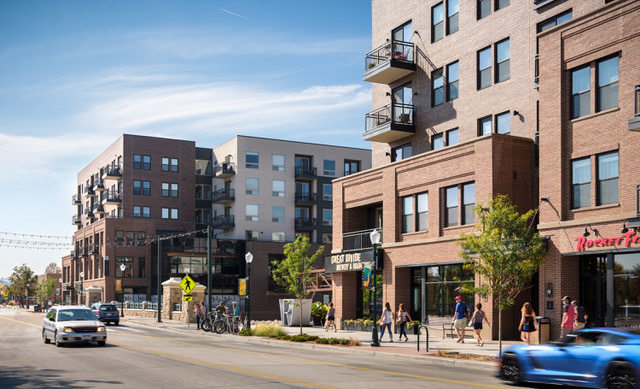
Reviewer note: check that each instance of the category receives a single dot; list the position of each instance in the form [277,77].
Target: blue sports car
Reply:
[593,358]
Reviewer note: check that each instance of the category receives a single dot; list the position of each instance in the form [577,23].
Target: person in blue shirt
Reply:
[460,319]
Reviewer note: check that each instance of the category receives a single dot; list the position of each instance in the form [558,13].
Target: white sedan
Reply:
[72,324]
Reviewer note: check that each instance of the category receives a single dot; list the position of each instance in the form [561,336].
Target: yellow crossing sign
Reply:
[187,297]
[187,284]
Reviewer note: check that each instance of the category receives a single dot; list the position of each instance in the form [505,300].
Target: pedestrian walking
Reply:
[580,316]
[330,319]
[527,323]
[403,319]
[568,316]
[476,320]
[460,318]
[196,310]
[385,321]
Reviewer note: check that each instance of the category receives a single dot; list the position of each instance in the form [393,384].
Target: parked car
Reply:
[106,312]
[72,324]
[593,357]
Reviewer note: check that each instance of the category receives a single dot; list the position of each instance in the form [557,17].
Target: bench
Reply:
[448,330]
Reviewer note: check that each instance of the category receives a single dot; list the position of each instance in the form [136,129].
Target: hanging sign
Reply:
[353,261]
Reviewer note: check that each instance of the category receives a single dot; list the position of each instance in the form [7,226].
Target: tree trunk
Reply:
[300,316]
[499,326]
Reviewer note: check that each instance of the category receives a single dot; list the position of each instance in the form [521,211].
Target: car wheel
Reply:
[620,376]
[511,369]
[44,336]
[58,343]
[102,343]
[116,323]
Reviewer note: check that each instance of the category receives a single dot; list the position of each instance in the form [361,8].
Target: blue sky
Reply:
[75,75]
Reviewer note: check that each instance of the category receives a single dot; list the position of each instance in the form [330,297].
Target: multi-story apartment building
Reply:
[255,193]
[455,120]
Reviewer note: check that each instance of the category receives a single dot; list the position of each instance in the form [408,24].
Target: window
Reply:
[437,141]
[252,186]
[351,167]
[437,87]
[141,267]
[165,164]
[137,211]
[327,238]
[437,22]
[203,216]
[203,167]
[174,165]
[174,213]
[277,162]
[580,92]
[277,236]
[422,207]
[448,138]
[277,214]
[137,187]
[119,238]
[128,272]
[503,123]
[327,192]
[253,235]
[453,136]
[500,4]
[329,167]
[401,152]
[581,183]
[131,237]
[484,126]
[252,160]
[554,21]
[165,189]
[277,188]
[174,190]
[453,75]
[468,202]
[251,212]
[484,8]
[327,217]
[137,161]
[146,212]
[407,214]
[146,162]
[451,201]
[608,178]
[165,213]
[146,188]
[484,68]
[142,236]
[453,10]
[203,192]
[607,92]
[503,71]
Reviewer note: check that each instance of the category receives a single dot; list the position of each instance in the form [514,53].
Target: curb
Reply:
[427,359]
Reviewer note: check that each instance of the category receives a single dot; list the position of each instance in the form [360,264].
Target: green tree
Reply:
[52,268]
[294,272]
[23,282]
[46,290]
[503,251]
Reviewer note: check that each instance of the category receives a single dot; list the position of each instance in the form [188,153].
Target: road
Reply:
[147,357]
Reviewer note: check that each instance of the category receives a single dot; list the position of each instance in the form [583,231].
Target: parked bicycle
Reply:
[230,324]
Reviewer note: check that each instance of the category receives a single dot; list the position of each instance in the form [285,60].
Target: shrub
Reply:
[269,330]
[246,332]
[283,337]
[341,341]
[303,338]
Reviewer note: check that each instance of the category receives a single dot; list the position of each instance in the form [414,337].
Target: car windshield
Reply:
[108,308]
[76,314]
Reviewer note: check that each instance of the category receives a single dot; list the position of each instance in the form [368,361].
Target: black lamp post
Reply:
[123,267]
[81,285]
[60,294]
[375,240]
[248,257]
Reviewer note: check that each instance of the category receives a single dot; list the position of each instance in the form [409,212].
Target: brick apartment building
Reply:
[255,193]
[459,114]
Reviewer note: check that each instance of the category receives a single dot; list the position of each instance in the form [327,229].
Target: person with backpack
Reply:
[580,316]
[460,318]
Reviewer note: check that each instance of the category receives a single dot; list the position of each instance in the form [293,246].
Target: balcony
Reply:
[306,172]
[223,196]
[88,191]
[389,62]
[88,213]
[634,124]
[98,186]
[112,198]
[99,209]
[305,198]
[305,223]
[358,240]
[223,222]
[110,173]
[75,200]
[225,170]
[76,220]
[389,123]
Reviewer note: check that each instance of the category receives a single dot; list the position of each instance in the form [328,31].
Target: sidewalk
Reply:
[459,353]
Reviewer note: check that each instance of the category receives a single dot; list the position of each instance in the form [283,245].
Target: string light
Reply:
[36,236]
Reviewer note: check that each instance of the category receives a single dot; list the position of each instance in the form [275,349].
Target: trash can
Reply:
[544,327]
[36,308]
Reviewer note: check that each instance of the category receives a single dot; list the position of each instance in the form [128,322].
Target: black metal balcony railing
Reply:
[223,195]
[223,221]
[306,171]
[358,240]
[305,222]
[112,197]
[305,197]
[98,208]
[75,219]
[395,50]
[223,170]
[98,185]
[88,191]
[112,173]
[75,200]
[394,113]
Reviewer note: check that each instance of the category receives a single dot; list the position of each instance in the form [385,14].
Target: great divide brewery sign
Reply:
[347,261]
[624,240]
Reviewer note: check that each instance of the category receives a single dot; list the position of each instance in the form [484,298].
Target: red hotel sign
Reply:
[625,240]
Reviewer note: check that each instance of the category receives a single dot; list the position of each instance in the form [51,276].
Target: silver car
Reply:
[72,324]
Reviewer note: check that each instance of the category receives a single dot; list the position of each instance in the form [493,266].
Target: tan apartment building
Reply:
[455,119]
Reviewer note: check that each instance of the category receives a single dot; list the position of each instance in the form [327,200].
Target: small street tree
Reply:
[23,282]
[503,251]
[294,272]
[46,290]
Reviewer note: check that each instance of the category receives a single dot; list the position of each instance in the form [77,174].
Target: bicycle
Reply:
[207,322]
[230,324]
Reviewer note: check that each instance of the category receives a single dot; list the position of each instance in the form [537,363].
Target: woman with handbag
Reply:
[527,323]
[385,321]
[403,319]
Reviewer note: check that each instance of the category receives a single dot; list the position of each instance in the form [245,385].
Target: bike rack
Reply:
[427,337]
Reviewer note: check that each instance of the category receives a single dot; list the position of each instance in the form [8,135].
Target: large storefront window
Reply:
[626,289]
[442,285]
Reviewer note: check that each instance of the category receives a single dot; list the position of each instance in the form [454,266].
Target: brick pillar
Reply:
[344,294]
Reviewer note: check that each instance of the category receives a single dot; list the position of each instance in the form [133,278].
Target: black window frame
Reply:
[452,84]
[600,182]
[437,91]
[437,27]
[575,185]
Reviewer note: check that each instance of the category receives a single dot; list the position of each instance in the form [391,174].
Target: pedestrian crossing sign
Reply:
[187,297]
[187,284]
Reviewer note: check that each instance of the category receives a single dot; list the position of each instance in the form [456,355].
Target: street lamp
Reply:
[123,267]
[81,285]
[248,257]
[375,241]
